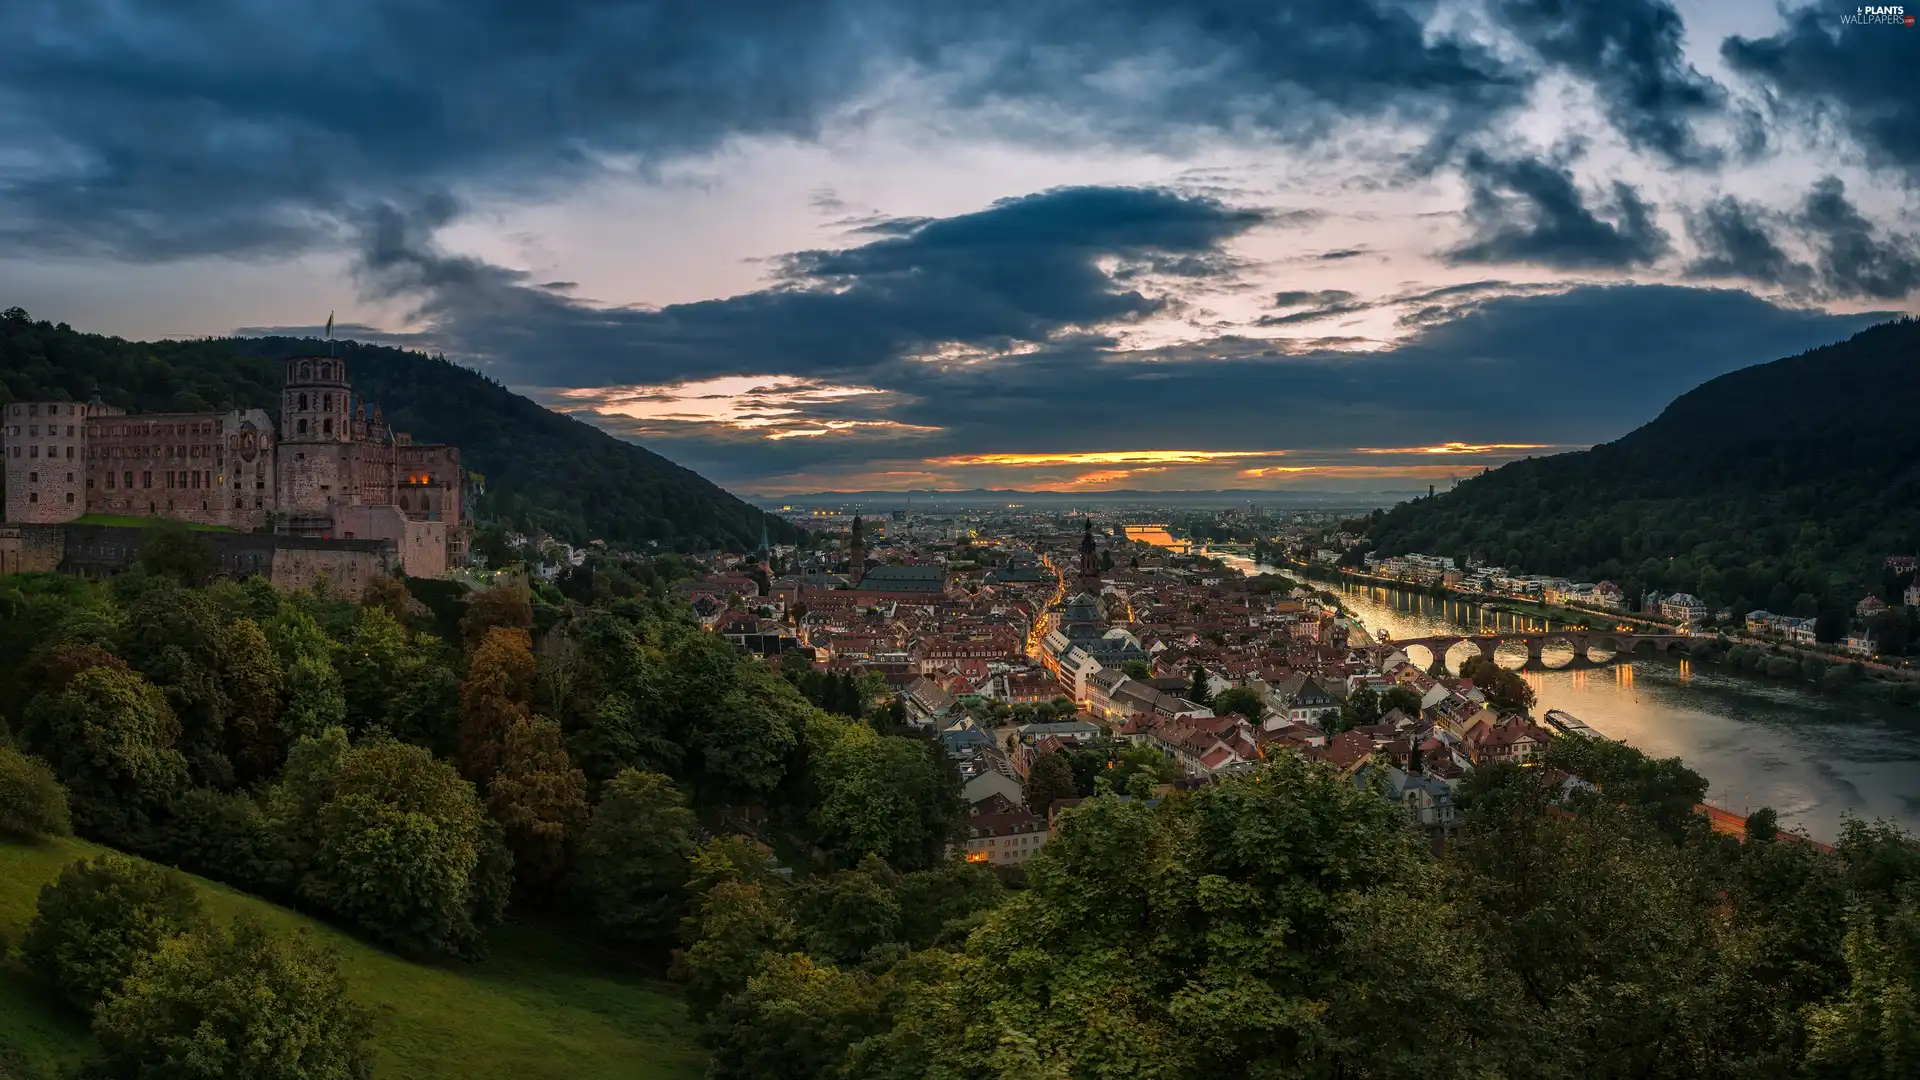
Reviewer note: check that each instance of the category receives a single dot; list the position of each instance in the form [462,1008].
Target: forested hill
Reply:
[542,469]
[1783,486]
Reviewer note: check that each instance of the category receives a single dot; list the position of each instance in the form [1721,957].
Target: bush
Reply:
[99,919]
[1835,678]
[224,835]
[1781,666]
[242,1002]
[1811,669]
[392,840]
[32,802]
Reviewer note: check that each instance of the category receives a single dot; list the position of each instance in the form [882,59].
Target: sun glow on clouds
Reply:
[766,406]
[1107,457]
[1458,448]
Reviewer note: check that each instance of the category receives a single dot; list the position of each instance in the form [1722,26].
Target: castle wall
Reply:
[421,545]
[45,448]
[207,468]
[347,565]
[32,548]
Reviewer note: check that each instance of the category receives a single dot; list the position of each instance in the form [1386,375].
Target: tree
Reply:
[633,858]
[98,919]
[389,594]
[1049,778]
[1197,687]
[1361,707]
[1143,921]
[508,606]
[1403,698]
[883,795]
[540,801]
[316,697]
[494,697]
[255,687]
[235,1002]
[747,732]
[737,926]
[1872,1030]
[110,738]
[1506,691]
[32,802]
[391,840]
[173,549]
[1240,700]
[1137,669]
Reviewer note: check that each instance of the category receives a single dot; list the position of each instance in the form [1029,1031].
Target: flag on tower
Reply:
[329,326]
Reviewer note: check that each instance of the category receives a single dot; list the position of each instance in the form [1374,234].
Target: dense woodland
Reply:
[1782,486]
[541,469]
[417,765]
[411,768]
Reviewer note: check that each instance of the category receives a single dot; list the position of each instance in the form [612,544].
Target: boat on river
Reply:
[1568,724]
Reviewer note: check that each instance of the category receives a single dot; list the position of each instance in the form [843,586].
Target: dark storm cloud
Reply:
[1579,366]
[1526,210]
[1630,51]
[156,129]
[1022,272]
[1854,258]
[1737,240]
[1300,306]
[1861,77]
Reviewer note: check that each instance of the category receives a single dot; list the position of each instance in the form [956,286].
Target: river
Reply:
[1814,758]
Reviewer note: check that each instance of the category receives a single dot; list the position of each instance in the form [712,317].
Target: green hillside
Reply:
[542,469]
[541,1006]
[1785,486]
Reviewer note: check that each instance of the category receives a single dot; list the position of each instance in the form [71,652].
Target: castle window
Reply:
[33,451]
[301,427]
[306,372]
[33,478]
[328,402]
[326,371]
[146,480]
[328,424]
[33,496]
[109,481]
[302,403]
[69,498]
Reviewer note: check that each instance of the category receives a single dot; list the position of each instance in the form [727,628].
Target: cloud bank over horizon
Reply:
[840,245]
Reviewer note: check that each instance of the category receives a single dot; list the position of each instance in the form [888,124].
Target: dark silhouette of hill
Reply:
[542,469]
[1783,486]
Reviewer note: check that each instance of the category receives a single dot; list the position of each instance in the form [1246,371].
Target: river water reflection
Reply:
[1814,758]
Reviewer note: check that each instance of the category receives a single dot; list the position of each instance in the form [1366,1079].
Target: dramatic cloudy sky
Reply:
[804,245]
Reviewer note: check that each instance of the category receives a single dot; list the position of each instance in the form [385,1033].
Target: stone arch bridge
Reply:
[1623,644]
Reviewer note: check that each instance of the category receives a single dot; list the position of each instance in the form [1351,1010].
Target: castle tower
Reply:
[314,407]
[857,552]
[316,431]
[1089,562]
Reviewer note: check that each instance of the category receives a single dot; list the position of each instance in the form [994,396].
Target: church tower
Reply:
[857,552]
[1089,562]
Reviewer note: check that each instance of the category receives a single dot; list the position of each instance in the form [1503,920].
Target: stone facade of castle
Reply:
[332,469]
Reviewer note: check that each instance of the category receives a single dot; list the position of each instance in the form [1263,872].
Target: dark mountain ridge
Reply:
[542,469]
[1784,485]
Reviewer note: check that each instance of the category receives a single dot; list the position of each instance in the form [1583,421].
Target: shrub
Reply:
[239,1002]
[32,802]
[1781,666]
[224,835]
[101,918]
[1835,678]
